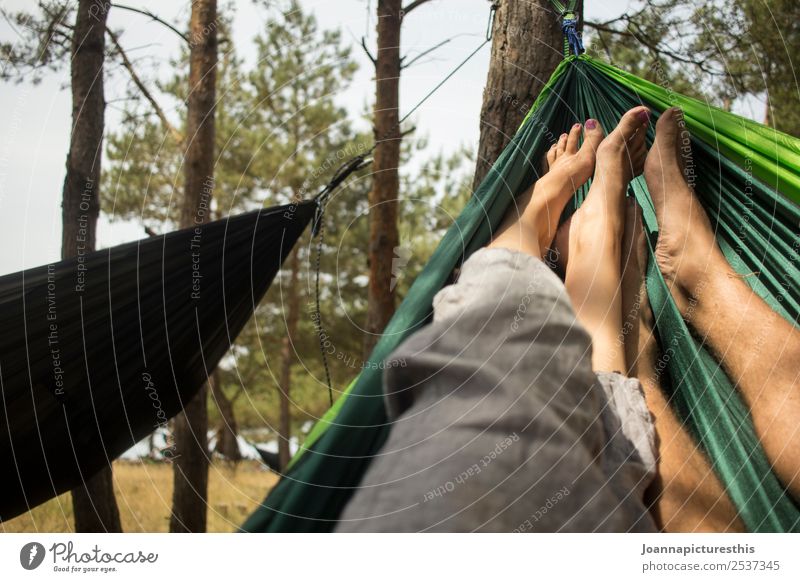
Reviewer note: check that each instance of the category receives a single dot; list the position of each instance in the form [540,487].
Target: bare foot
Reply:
[531,225]
[566,162]
[620,158]
[686,251]
[593,271]
[568,168]
[626,143]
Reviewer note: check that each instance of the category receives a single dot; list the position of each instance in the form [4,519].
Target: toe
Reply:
[573,139]
[666,158]
[561,146]
[633,122]
[592,136]
[550,157]
[667,124]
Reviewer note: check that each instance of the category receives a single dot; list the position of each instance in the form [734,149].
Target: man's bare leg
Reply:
[758,349]
[593,271]
[686,495]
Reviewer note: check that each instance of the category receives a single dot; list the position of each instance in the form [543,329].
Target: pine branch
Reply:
[414,4]
[653,46]
[369,54]
[154,18]
[404,65]
[178,136]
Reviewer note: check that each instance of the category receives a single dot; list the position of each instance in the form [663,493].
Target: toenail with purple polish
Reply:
[591,124]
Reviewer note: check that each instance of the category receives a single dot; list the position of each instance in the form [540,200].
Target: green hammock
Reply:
[748,179]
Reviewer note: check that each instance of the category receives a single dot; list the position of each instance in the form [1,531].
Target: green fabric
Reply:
[747,177]
[739,165]
[322,425]
[774,156]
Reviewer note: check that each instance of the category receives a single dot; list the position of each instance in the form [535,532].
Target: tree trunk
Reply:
[151,446]
[190,469]
[93,503]
[287,357]
[227,442]
[767,111]
[383,233]
[526,48]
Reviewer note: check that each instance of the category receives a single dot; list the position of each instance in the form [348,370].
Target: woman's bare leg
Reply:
[759,349]
[686,495]
[531,225]
[593,271]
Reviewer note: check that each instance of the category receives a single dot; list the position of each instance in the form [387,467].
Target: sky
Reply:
[35,119]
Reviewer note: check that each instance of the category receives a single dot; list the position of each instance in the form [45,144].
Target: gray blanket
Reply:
[499,423]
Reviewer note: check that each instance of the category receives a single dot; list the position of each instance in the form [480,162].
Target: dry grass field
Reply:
[144,494]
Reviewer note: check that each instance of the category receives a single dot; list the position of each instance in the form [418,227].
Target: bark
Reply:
[767,112]
[227,443]
[190,468]
[526,48]
[151,446]
[287,357]
[383,232]
[94,505]
[228,430]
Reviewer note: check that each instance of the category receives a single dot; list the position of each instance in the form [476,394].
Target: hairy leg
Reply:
[686,495]
[758,348]
[593,271]
[530,225]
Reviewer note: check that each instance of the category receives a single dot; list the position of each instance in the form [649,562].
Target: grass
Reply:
[144,497]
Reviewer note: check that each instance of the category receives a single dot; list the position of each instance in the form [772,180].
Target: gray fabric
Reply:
[499,423]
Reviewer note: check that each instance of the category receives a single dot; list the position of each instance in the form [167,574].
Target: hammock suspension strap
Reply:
[573,43]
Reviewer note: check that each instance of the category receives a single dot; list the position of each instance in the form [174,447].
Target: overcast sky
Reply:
[35,120]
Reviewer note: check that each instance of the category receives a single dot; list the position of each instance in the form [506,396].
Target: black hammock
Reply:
[98,351]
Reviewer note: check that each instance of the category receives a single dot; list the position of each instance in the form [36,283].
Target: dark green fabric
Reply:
[746,173]
[99,350]
[756,227]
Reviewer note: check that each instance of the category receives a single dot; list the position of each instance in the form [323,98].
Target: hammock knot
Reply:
[569,26]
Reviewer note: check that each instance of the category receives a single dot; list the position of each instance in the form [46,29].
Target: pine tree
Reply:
[527,45]
[94,504]
[719,51]
[59,33]
[190,467]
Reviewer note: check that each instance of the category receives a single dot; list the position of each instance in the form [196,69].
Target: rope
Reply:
[573,43]
[318,312]
[443,81]
[572,40]
[318,230]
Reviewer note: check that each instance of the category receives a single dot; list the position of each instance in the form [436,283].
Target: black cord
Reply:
[318,230]
[318,315]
